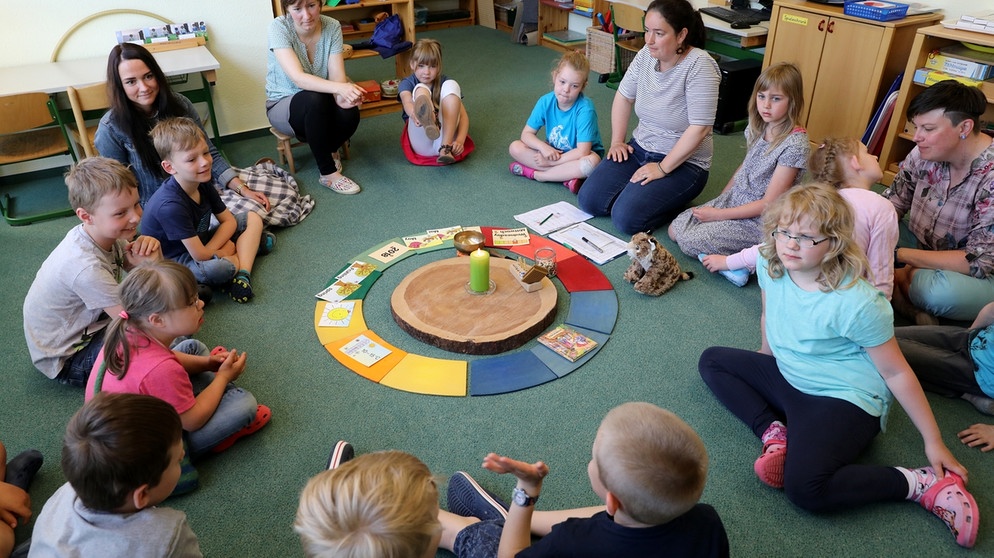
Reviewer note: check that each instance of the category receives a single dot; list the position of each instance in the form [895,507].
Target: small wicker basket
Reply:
[600,50]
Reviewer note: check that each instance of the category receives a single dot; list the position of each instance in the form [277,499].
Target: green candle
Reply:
[479,271]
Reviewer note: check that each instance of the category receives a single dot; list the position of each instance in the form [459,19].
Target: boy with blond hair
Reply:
[67,307]
[179,214]
[121,455]
[649,468]
[382,504]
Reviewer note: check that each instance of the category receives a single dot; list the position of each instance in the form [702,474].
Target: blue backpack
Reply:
[389,32]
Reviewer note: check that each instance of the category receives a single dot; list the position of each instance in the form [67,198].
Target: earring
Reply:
[962,136]
[680,49]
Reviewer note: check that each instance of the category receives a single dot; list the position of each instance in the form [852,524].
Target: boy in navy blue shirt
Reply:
[179,214]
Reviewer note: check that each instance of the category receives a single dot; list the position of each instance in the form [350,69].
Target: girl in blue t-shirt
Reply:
[572,146]
[828,369]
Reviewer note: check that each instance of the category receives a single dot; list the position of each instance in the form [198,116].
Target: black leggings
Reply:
[318,120]
[825,435]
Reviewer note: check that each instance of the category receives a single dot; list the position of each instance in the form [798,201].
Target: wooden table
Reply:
[432,305]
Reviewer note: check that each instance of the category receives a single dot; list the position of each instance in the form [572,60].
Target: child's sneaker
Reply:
[22,468]
[240,288]
[517,169]
[573,184]
[738,277]
[424,110]
[469,499]
[262,416]
[445,155]
[267,243]
[769,465]
[341,453]
[948,500]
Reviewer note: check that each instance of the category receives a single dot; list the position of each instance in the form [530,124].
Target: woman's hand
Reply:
[647,173]
[350,95]
[619,152]
[257,197]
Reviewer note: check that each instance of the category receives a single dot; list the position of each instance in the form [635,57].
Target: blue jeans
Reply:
[215,271]
[633,207]
[479,540]
[76,369]
[236,410]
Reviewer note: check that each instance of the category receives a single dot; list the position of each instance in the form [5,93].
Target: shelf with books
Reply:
[900,134]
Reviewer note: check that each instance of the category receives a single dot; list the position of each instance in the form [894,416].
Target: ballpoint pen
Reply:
[591,244]
[542,222]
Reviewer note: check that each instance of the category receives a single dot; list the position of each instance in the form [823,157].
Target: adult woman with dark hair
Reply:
[946,185]
[140,97]
[672,84]
[308,94]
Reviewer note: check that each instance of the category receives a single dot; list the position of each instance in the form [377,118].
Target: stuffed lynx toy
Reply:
[654,270]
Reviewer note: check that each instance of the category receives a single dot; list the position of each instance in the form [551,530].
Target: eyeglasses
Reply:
[802,241]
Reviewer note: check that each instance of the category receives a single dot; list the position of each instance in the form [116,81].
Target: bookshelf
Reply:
[464,12]
[553,18]
[900,135]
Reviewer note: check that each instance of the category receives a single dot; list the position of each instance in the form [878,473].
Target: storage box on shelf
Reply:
[900,135]
[367,10]
[847,63]
[443,14]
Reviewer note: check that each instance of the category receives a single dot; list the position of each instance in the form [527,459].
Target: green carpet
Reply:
[248,495]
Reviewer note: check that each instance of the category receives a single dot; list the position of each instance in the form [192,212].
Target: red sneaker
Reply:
[262,416]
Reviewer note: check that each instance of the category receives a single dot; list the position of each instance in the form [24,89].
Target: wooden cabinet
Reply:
[899,142]
[468,7]
[847,63]
[553,16]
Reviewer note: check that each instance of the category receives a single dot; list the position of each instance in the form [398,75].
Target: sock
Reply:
[775,435]
[983,404]
[22,468]
[919,481]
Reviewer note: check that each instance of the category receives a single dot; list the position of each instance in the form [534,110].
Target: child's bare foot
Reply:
[981,435]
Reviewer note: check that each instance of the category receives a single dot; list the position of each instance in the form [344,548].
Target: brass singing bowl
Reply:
[468,241]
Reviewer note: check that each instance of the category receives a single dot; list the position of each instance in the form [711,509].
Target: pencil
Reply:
[542,222]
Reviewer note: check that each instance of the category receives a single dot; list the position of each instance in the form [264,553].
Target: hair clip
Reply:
[123,314]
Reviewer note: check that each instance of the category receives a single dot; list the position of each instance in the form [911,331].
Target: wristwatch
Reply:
[521,498]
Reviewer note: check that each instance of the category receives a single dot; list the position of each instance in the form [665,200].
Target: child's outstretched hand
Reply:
[530,474]
[233,365]
[978,435]
[942,460]
[715,262]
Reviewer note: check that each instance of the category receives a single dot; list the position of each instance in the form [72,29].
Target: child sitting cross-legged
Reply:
[649,468]
[67,307]
[160,304]
[179,214]
[121,456]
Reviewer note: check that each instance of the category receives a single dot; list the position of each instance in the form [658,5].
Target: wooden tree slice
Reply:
[433,306]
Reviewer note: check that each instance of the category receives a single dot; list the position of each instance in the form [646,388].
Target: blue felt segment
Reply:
[596,310]
[560,365]
[507,373]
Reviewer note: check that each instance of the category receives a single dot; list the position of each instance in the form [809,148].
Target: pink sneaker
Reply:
[573,184]
[948,500]
[769,465]
[517,169]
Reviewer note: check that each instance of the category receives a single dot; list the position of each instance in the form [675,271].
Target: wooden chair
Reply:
[30,128]
[285,145]
[631,19]
[87,102]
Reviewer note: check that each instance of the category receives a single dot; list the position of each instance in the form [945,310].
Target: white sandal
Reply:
[343,185]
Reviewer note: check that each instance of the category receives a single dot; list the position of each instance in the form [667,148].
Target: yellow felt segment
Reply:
[430,376]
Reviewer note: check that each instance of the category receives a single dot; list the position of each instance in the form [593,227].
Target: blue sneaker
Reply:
[469,499]
[267,243]
[341,453]
[738,277]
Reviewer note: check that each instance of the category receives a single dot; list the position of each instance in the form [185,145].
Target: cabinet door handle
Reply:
[831,27]
[821,25]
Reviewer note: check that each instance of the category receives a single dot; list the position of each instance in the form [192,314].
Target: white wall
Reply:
[237,31]
[237,38]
